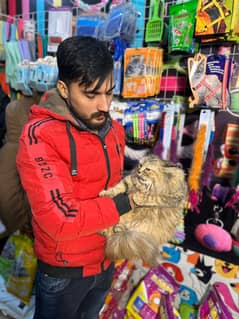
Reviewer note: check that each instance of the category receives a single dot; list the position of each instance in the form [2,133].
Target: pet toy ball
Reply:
[213,237]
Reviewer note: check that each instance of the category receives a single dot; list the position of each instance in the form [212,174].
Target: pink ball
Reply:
[213,237]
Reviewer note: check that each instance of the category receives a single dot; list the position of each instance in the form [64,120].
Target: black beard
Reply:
[87,122]
[92,126]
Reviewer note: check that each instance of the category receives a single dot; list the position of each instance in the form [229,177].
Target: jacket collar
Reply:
[55,106]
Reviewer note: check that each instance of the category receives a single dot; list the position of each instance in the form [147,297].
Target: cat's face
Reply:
[154,176]
[197,69]
[136,66]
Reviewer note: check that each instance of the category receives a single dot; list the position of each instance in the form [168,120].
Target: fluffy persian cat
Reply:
[159,191]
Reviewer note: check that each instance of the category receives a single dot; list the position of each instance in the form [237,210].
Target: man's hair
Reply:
[84,60]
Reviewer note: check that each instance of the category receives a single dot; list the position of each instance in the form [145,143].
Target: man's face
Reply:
[89,105]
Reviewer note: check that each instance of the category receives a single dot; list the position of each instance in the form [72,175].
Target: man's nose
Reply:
[103,103]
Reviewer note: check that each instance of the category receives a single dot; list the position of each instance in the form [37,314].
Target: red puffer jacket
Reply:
[63,169]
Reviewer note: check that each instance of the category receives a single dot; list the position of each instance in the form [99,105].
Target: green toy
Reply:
[155,24]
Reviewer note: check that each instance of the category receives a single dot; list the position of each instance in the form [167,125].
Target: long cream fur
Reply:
[159,191]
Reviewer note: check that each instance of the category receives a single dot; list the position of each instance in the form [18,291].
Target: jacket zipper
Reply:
[74,170]
[107,161]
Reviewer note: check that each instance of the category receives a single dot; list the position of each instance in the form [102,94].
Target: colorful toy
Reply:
[213,237]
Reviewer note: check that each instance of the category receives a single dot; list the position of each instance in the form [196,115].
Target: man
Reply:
[69,151]
[14,208]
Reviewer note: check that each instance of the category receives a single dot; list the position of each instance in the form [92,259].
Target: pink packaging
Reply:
[212,306]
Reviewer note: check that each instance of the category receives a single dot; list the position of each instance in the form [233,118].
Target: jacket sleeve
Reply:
[14,207]
[48,184]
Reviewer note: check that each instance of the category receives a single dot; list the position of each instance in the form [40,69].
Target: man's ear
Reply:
[62,89]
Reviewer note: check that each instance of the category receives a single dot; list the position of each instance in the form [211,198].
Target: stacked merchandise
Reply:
[185,284]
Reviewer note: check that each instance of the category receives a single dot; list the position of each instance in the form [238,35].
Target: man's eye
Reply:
[90,96]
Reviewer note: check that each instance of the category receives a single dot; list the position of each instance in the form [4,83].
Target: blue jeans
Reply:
[66,298]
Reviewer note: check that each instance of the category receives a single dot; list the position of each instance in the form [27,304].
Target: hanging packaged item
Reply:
[29,30]
[167,308]
[13,58]
[43,74]
[118,57]
[213,306]
[234,30]
[19,251]
[138,40]
[209,78]
[213,18]
[121,22]
[23,71]
[142,72]
[59,26]
[181,27]
[91,25]
[141,121]
[226,166]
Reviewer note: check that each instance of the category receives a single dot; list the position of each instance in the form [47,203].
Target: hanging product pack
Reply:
[181,27]
[213,306]
[209,77]
[142,122]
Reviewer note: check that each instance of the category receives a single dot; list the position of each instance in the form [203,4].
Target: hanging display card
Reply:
[59,26]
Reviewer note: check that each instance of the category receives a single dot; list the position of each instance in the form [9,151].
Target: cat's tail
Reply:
[132,245]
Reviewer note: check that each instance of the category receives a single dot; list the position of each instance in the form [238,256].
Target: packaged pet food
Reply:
[19,250]
[181,26]
[167,309]
[126,277]
[145,302]
[213,306]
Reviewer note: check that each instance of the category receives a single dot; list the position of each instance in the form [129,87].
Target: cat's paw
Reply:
[106,232]
[107,192]
[120,227]
[140,199]
[113,191]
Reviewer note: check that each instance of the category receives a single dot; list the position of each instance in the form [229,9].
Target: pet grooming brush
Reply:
[155,24]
